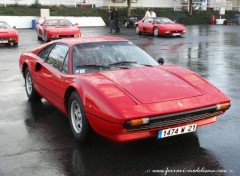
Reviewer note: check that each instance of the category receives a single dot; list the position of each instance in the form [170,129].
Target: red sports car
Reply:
[112,86]
[159,26]
[8,35]
[57,28]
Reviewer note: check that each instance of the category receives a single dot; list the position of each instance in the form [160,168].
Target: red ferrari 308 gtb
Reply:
[159,26]
[52,29]
[112,86]
[8,35]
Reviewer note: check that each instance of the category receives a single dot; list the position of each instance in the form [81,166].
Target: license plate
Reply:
[3,41]
[176,131]
[175,34]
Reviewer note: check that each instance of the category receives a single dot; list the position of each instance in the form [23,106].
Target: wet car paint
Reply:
[35,138]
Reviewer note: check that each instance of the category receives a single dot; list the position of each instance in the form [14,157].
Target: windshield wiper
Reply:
[93,66]
[123,63]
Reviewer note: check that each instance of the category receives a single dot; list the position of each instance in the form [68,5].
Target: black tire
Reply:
[30,91]
[15,44]
[155,32]
[77,117]
[138,32]
[45,39]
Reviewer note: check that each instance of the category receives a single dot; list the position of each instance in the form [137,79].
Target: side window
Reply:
[57,56]
[45,52]
[150,20]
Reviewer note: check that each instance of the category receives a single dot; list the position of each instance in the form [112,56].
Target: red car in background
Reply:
[159,26]
[8,35]
[56,29]
[110,85]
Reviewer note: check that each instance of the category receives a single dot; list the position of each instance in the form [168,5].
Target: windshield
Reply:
[4,26]
[162,21]
[102,56]
[58,22]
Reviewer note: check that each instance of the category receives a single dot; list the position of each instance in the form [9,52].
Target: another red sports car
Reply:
[56,29]
[112,86]
[8,35]
[159,26]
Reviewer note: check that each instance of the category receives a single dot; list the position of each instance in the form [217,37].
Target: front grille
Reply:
[176,32]
[176,118]
[66,36]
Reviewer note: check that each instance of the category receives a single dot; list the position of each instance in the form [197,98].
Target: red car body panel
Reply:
[9,36]
[163,29]
[113,97]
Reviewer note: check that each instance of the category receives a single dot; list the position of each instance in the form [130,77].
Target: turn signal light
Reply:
[77,35]
[223,106]
[137,122]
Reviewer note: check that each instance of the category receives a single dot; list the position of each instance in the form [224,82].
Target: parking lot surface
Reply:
[35,138]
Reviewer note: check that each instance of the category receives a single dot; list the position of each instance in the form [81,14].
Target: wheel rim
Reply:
[29,83]
[137,29]
[45,37]
[155,32]
[76,116]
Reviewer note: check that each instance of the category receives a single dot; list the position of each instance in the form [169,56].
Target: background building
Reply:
[174,4]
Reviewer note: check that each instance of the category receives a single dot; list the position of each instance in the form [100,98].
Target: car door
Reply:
[148,25]
[52,72]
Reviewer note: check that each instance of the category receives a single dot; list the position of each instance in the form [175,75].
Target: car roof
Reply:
[92,39]
[3,21]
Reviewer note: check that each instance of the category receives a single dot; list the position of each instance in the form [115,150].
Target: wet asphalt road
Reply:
[35,138]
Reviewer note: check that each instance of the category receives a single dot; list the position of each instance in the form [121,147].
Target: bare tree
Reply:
[129,7]
[190,7]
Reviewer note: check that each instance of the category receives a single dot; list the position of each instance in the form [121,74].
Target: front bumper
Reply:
[117,132]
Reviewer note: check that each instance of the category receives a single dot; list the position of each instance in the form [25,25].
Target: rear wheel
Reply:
[30,90]
[155,32]
[77,116]
[138,30]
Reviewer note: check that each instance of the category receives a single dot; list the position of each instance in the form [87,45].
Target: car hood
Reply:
[7,31]
[152,84]
[173,26]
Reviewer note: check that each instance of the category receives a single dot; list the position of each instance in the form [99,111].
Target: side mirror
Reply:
[14,27]
[161,61]
[76,24]
[41,24]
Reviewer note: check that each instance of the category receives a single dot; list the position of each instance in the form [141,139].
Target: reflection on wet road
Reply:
[35,138]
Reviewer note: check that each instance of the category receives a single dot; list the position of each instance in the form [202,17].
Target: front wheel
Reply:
[155,32]
[138,32]
[77,116]
[30,90]
[45,38]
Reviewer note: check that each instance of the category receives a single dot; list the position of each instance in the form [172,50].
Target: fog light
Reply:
[137,122]
[12,39]
[55,36]
[167,32]
[223,106]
